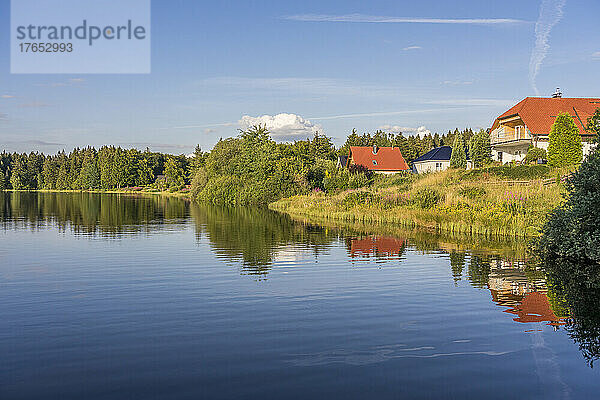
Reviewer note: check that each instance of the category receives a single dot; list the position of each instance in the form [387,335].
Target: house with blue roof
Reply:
[437,159]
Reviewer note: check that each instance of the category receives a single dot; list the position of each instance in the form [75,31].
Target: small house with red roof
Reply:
[530,121]
[383,160]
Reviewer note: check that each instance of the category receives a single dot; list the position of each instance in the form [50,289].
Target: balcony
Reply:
[510,136]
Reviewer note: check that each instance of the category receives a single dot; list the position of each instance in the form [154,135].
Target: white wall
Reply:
[430,166]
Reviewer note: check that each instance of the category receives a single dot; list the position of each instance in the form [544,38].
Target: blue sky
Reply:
[332,65]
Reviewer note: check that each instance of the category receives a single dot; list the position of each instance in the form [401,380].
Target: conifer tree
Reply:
[458,159]
[593,124]
[564,142]
[480,148]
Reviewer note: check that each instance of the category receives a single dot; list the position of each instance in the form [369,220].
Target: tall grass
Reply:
[491,207]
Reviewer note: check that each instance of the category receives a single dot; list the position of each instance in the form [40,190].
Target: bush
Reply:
[573,230]
[222,190]
[199,182]
[534,154]
[336,180]
[472,192]
[426,198]
[360,198]
[511,172]
[357,181]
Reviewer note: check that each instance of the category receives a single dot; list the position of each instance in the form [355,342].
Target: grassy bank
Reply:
[496,201]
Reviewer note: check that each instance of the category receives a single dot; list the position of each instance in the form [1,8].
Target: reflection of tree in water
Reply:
[92,213]
[576,288]
[457,264]
[257,237]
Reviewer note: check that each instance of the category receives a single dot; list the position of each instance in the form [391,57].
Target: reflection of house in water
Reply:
[378,246]
[525,297]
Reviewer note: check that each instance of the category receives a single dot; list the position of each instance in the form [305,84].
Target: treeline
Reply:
[107,168]
[248,169]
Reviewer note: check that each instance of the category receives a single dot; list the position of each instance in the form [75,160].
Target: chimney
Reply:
[375,148]
[557,94]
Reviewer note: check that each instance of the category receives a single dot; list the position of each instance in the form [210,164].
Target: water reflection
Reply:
[260,240]
[382,247]
[256,238]
[576,291]
[106,215]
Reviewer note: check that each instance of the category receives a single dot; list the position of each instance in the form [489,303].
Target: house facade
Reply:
[383,160]
[530,121]
[434,160]
[437,159]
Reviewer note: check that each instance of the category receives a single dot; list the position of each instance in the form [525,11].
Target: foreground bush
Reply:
[573,229]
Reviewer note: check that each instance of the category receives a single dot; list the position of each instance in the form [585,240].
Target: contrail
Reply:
[361,18]
[551,12]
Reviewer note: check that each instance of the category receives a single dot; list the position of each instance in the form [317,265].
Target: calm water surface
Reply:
[114,296]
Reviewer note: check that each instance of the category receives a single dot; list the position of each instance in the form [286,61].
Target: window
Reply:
[374,162]
[438,165]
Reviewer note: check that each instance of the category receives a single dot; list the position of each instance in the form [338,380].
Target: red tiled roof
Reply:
[539,113]
[386,159]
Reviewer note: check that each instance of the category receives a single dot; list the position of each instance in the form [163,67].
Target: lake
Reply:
[107,296]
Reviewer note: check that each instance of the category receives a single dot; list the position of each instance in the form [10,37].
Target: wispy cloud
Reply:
[34,104]
[36,142]
[7,96]
[3,116]
[319,86]
[596,55]
[361,18]
[209,130]
[68,82]
[386,113]
[412,48]
[457,83]
[551,12]
[473,102]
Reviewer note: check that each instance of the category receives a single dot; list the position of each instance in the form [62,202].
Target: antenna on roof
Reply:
[557,94]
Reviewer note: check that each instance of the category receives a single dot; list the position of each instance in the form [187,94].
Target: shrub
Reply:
[222,190]
[426,198]
[534,154]
[199,181]
[472,192]
[357,181]
[573,230]
[360,198]
[511,172]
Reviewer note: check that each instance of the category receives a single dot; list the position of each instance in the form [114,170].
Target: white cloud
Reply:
[596,54]
[400,20]
[421,131]
[283,127]
[209,130]
[551,12]
[412,48]
[7,96]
